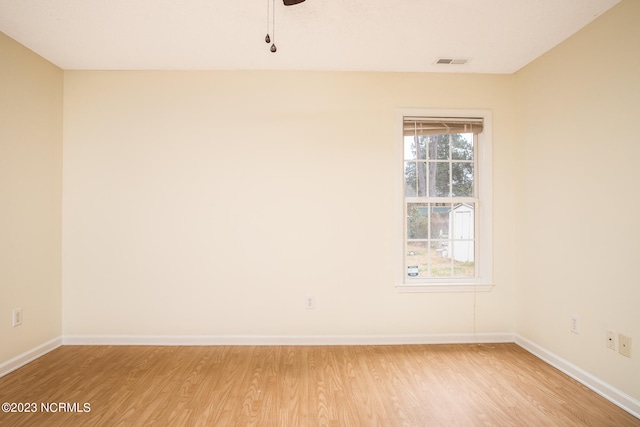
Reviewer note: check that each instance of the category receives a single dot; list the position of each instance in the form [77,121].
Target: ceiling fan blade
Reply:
[292,2]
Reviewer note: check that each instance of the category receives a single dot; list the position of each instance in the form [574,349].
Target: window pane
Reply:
[409,148]
[409,153]
[438,179]
[410,179]
[464,258]
[463,245]
[417,220]
[462,146]
[462,179]
[463,222]
[416,259]
[415,179]
[440,220]
[438,147]
[439,261]
[464,269]
[422,179]
[415,147]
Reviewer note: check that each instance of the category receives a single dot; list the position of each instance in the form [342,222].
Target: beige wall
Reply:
[30,198]
[578,210]
[214,202]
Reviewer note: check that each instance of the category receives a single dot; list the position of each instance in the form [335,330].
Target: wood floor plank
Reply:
[328,386]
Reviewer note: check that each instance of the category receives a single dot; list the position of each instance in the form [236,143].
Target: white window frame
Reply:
[483,281]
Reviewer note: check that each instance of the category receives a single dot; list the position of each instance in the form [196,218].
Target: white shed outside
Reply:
[461,230]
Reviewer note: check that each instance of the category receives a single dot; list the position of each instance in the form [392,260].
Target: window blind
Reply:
[441,125]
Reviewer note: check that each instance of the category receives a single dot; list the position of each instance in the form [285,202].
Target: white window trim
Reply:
[484,281]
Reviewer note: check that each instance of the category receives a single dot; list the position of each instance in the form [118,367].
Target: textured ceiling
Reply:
[496,36]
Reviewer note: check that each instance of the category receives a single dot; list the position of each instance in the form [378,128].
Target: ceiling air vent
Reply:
[452,61]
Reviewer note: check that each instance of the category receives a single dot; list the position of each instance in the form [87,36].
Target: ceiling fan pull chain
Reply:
[267,39]
[273,26]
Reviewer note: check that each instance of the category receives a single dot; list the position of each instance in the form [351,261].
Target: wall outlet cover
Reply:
[624,345]
[575,324]
[17,317]
[610,339]
[309,302]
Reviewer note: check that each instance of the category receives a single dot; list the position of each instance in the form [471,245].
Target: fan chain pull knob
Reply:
[267,39]
[273,48]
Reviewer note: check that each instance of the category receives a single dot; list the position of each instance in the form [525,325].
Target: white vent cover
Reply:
[452,61]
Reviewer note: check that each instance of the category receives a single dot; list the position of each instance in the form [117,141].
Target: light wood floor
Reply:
[414,385]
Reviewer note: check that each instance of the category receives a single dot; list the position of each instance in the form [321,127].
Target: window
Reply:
[446,200]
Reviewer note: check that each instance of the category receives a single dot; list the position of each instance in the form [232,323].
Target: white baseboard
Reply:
[605,390]
[29,356]
[176,340]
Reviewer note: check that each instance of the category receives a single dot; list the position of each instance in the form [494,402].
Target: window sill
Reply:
[445,287]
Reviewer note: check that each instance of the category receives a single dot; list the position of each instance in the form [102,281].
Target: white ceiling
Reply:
[496,36]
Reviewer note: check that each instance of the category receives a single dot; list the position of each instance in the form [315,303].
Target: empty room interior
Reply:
[169,181]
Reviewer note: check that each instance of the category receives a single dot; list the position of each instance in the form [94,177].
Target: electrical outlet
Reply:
[575,324]
[610,339]
[309,302]
[17,317]
[624,347]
